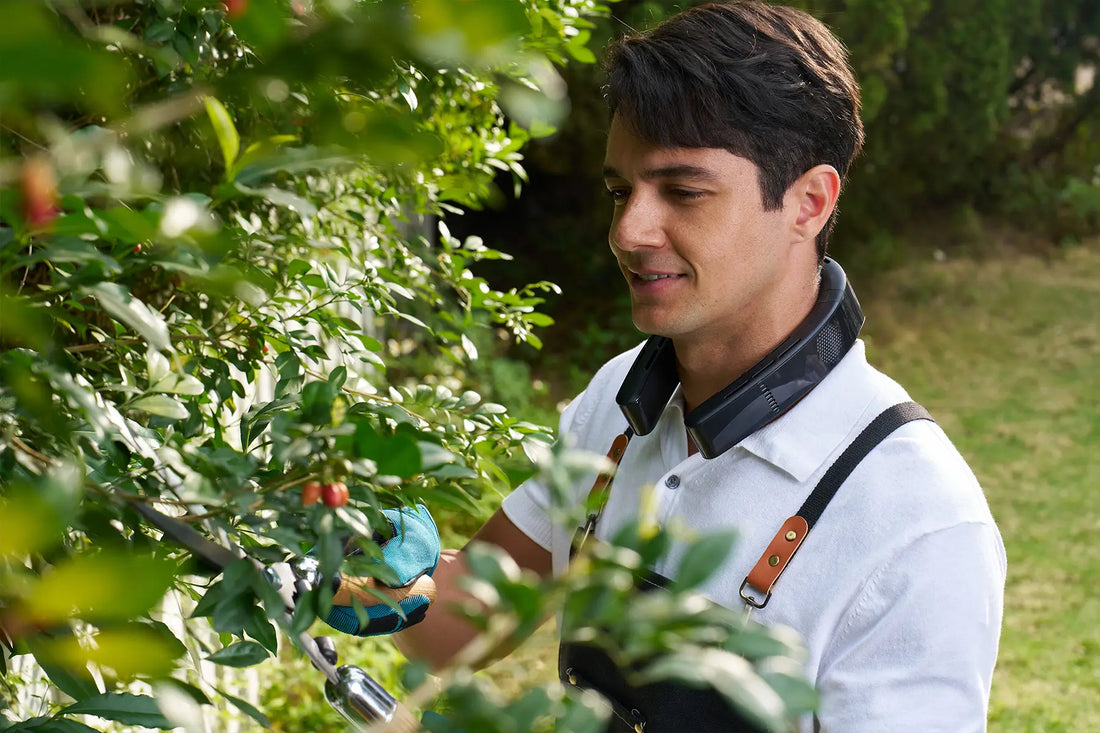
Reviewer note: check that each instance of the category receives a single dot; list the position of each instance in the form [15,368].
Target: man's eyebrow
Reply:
[683,171]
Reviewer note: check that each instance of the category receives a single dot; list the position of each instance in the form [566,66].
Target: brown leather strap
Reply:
[787,540]
[774,560]
[597,495]
[601,489]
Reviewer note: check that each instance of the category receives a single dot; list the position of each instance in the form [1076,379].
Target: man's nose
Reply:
[636,223]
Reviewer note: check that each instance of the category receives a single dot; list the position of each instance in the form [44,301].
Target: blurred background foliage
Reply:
[982,117]
[244,245]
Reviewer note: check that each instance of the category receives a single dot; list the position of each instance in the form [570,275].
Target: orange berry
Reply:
[311,492]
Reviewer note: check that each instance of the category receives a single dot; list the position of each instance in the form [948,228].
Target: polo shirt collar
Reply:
[800,441]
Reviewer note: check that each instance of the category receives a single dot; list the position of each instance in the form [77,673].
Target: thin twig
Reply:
[18,443]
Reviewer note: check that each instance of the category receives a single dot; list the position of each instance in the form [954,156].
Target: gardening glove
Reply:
[412,550]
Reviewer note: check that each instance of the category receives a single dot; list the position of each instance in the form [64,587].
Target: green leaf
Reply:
[28,523]
[703,558]
[302,206]
[21,323]
[134,313]
[241,654]
[730,675]
[122,707]
[105,585]
[226,131]
[263,24]
[127,651]
[50,725]
[232,614]
[76,683]
[129,225]
[41,60]
[159,404]
[246,708]
[174,383]
[260,628]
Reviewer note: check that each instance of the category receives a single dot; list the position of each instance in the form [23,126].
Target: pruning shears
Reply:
[351,691]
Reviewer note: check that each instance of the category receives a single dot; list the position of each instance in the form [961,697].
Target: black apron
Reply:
[671,707]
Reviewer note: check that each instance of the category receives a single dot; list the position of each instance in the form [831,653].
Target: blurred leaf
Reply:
[241,654]
[174,383]
[50,725]
[396,455]
[226,131]
[104,585]
[129,225]
[28,523]
[20,323]
[162,405]
[727,674]
[246,708]
[68,249]
[478,32]
[128,651]
[279,197]
[703,558]
[122,707]
[117,301]
[263,24]
[40,60]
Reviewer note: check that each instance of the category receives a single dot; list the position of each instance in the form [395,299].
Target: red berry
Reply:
[39,192]
[311,492]
[235,8]
[334,494]
[137,248]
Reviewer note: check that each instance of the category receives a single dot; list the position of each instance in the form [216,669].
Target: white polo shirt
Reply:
[897,591]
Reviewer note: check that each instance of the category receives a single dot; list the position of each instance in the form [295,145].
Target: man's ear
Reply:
[812,199]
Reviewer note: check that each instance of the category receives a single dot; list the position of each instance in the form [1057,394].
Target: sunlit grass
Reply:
[1005,353]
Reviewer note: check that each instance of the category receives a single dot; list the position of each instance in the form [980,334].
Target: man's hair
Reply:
[767,83]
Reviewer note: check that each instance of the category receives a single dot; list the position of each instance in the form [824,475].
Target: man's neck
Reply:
[709,365]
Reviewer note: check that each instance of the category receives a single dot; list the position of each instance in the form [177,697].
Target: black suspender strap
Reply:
[764,575]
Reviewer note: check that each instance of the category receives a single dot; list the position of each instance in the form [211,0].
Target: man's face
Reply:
[700,254]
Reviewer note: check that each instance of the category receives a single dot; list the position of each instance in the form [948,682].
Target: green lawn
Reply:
[1005,353]
[1004,350]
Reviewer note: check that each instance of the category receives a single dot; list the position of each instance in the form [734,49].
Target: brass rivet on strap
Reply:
[773,560]
[639,728]
[791,535]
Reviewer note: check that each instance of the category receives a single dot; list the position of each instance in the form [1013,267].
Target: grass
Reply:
[1004,350]
[1005,353]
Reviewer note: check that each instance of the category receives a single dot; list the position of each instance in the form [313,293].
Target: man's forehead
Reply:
[631,155]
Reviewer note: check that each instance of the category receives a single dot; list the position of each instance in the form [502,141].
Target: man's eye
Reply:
[618,195]
[685,194]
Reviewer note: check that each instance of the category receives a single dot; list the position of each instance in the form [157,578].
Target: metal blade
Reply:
[209,552]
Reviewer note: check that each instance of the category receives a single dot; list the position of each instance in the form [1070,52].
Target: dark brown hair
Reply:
[767,83]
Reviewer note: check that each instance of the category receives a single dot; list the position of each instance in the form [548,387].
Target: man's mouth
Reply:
[651,278]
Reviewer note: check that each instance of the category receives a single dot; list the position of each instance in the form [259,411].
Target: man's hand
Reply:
[412,552]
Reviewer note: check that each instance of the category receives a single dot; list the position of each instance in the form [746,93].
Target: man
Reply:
[732,129]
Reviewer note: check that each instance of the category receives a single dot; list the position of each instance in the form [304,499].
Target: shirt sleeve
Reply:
[528,507]
[917,650]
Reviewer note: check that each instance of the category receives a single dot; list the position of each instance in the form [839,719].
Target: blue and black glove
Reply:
[412,551]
